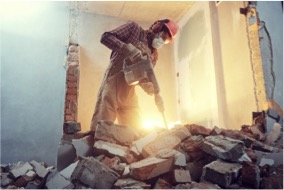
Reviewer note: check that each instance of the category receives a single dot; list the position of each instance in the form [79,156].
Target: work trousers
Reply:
[117,100]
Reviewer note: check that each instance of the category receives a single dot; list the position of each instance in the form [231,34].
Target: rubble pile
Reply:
[184,157]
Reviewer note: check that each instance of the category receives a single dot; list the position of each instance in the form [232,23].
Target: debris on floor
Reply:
[184,157]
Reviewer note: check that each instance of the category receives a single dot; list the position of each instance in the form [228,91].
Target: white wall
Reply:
[33,37]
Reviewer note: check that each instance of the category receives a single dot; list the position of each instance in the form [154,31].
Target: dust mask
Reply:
[158,41]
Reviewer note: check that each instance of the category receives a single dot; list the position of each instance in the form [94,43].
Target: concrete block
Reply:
[198,130]
[274,134]
[181,132]
[71,127]
[150,167]
[250,174]
[129,183]
[112,149]
[160,143]
[5,180]
[67,172]
[221,173]
[84,146]
[39,169]
[91,172]
[223,147]
[113,133]
[181,176]
[66,154]
[19,170]
[140,143]
[56,181]
[179,158]
[192,147]
[204,185]
[162,184]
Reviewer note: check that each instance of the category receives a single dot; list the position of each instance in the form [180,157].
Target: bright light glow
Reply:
[150,124]
[174,124]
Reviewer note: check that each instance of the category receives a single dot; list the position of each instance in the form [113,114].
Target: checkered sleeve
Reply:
[126,33]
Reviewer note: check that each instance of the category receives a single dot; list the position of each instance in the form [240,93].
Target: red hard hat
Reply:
[172,27]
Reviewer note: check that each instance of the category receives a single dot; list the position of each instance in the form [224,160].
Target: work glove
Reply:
[159,103]
[148,87]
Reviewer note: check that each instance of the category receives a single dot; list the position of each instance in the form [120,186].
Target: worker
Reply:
[116,99]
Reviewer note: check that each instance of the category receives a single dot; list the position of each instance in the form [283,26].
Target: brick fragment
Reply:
[195,170]
[22,181]
[162,184]
[250,174]
[198,130]
[160,143]
[257,132]
[192,147]
[234,134]
[272,182]
[140,143]
[182,176]
[216,131]
[91,172]
[56,181]
[150,167]
[223,147]
[5,180]
[179,158]
[129,183]
[257,145]
[251,154]
[113,133]
[84,146]
[19,170]
[112,149]
[71,127]
[35,184]
[40,170]
[221,173]
[181,132]
[274,134]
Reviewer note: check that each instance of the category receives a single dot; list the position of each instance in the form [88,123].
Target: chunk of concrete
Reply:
[67,172]
[192,147]
[84,146]
[113,133]
[140,143]
[223,147]
[221,173]
[39,169]
[181,132]
[129,183]
[150,167]
[274,134]
[198,130]
[160,143]
[5,180]
[66,155]
[19,170]
[182,176]
[122,152]
[91,172]
[179,158]
[56,181]
[266,161]
[71,127]
[162,184]
[250,174]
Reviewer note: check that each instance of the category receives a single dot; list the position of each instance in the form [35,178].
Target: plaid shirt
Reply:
[124,34]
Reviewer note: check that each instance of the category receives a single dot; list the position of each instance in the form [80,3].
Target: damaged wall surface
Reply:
[33,39]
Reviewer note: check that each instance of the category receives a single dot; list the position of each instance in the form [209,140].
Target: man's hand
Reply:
[148,87]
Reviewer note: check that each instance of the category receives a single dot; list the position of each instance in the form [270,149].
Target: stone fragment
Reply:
[250,174]
[181,132]
[19,170]
[272,182]
[84,146]
[40,170]
[195,170]
[71,127]
[277,157]
[221,173]
[266,161]
[179,158]
[140,143]
[129,183]
[204,185]
[257,145]
[257,132]
[113,133]
[198,130]
[56,181]
[223,147]
[192,147]
[274,134]
[251,154]
[67,172]
[66,154]
[216,131]
[91,172]
[244,158]
[5,180]
[160,143]
[110,162]
[122,152]
[181,176]
[35,184]
[234,134]
[162,184]
[150,167]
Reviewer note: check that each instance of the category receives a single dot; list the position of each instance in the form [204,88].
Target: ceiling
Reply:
[145,11]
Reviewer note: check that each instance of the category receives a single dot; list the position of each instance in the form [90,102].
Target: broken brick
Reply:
[251,154]
[192,147]
[122,152]
[140,143]
[129,183]
[84,146]
[160,143]
[71,127]
[221,173]
[56,181]
[223,147]
[250,174]
[272,182]
[150,167]
[113,133]
[257,132]
[181,132]
[19,170]
[66,154]
[198,130]
[162,184]
[274,134]
[181,176]
[40,170]
[179,158]
[91,172]
[5,180]
[216,131]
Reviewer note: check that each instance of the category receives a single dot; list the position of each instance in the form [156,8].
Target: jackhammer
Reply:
[137,69]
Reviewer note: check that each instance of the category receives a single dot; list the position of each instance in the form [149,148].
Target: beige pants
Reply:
[117,100]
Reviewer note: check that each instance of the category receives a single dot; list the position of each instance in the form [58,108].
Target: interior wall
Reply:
[94,59]
[202,76]
[33,37]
